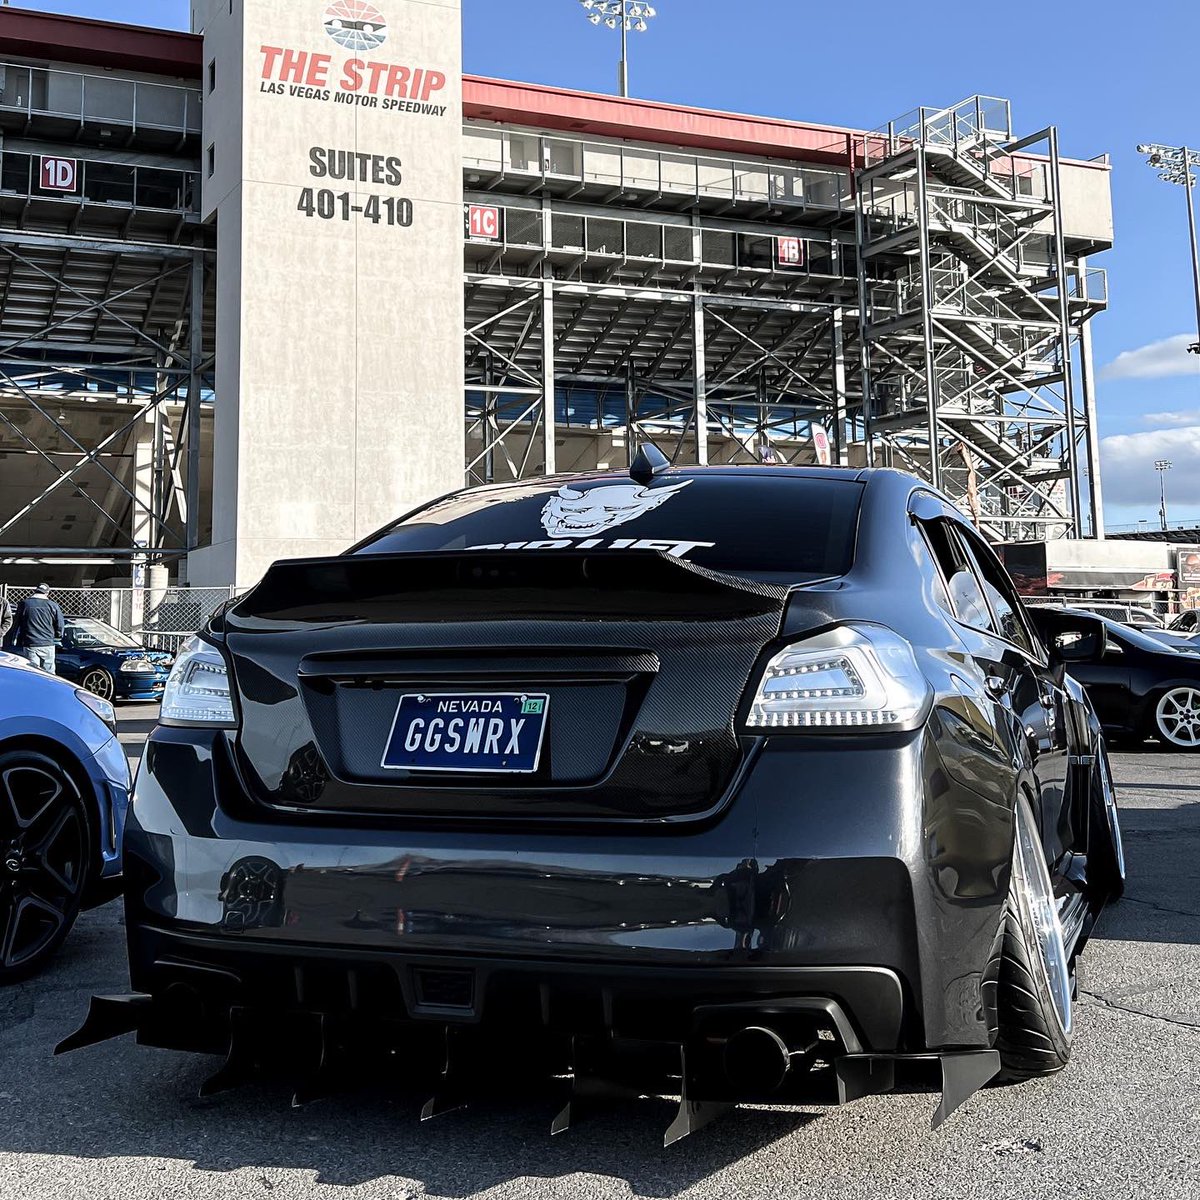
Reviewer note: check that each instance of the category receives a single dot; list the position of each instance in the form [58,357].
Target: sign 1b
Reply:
[59,175]
[789,251]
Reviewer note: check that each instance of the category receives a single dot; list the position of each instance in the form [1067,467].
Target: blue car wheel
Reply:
[44,861]
[99,682]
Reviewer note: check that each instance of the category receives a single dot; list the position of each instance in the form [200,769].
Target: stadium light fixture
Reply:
[1175,164]
[629,16]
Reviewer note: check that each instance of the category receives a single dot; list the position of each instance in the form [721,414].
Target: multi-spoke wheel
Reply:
[1177,718]
[100,683]
[43,860]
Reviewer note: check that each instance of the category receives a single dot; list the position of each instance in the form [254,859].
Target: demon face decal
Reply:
[572,513]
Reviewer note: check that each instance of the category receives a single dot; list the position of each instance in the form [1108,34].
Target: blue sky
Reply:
[1102,71]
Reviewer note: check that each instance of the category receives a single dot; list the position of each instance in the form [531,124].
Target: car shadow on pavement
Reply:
[123,1101]
[1162,902]
[119,1100]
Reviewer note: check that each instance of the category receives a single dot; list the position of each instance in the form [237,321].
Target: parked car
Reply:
[1187,621]
[1124,614]
[1138,686]
[111,664]
[759,771]
[1188,643]
[64,787]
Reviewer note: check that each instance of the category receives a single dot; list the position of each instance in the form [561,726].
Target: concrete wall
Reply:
[339,340]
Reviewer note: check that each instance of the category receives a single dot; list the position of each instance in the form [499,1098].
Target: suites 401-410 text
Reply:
[328,205]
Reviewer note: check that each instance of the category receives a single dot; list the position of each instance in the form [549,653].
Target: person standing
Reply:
[40,625]
[6,620]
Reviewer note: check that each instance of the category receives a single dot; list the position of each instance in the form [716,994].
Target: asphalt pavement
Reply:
[1123,1120]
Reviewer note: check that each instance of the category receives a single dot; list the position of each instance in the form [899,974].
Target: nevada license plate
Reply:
[486,732]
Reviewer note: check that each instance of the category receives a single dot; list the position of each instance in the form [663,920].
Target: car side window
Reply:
[930,568]
[1001,595]
[967,601]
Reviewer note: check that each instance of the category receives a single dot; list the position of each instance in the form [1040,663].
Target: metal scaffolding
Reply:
[719,306]
[106,325]
[922,302]
[972,311]
[617,293]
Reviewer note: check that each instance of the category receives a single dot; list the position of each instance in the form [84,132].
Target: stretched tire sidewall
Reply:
[1031,1038]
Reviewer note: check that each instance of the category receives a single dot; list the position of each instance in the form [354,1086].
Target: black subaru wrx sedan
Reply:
[729,783]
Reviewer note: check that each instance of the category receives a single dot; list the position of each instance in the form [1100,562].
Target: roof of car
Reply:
[732,471]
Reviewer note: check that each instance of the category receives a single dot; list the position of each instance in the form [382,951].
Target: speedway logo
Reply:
[355,25]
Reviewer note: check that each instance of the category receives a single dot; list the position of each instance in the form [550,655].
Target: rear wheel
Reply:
[1177,718]
[44,862]
[1034,987]
[99,682]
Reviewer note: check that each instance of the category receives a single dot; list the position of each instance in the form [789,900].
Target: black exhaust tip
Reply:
[756,1059]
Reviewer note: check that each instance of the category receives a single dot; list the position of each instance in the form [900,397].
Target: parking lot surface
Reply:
[1123,1120]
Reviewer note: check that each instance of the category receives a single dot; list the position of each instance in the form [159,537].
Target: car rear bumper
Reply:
[819,883]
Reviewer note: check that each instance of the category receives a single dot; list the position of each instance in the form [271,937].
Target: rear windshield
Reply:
[769,527]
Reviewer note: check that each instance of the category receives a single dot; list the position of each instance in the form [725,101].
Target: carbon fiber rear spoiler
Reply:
[496,584]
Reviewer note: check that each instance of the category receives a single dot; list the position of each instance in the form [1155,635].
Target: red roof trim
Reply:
[175,53]
[100,43]
[647,121]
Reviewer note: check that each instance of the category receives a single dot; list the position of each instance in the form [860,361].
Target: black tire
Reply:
[1032,1038]
[45,860]
[1106,849]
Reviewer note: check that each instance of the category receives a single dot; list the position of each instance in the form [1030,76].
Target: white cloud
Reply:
[1185,416]
[1158,360]
[1127,461]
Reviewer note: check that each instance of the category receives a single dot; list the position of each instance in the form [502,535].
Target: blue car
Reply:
[64,789]
[111,664]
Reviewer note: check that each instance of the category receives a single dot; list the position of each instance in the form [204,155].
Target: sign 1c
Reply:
[483,222]
[59,175]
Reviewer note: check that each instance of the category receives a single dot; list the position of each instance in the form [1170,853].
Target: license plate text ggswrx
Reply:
[484,732]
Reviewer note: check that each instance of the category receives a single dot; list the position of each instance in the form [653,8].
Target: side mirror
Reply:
[1075,646]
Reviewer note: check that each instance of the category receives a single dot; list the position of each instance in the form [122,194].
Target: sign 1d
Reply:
[59,174]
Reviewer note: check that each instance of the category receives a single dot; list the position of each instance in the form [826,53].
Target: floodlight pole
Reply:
[1175,164]
[1162,466]
[627,15]
[1191,213]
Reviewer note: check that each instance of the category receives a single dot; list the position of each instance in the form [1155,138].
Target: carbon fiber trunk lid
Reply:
[643,657]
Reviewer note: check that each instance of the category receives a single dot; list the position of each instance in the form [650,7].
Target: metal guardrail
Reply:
[109,183]
[500,152]
[98,99]
[974,122]
[654,241]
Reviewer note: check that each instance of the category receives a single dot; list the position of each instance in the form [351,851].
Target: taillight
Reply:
[197,691]
[854,676]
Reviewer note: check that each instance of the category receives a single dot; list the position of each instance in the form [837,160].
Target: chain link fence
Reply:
[1160,608]
[162,618]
